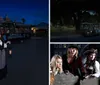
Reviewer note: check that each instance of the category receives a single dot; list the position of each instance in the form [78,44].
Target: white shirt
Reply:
[5,44]
[1,43]
[97,69]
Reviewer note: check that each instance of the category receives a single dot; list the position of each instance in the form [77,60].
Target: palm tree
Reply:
[23,20]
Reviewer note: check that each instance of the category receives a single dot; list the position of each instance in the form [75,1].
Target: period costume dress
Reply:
[3,61]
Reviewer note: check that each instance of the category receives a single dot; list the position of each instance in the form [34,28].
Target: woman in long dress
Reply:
[3,62]
[92,66]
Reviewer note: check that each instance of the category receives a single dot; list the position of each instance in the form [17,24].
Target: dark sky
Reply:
[34,11]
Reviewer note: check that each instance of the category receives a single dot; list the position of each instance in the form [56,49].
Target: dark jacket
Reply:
[76,67]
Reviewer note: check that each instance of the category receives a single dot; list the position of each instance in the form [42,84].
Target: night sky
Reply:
[34,11]
[67,7]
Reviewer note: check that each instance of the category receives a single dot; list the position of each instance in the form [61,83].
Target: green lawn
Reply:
[62,30]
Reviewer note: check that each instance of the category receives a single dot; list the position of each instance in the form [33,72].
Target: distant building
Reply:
[7,25]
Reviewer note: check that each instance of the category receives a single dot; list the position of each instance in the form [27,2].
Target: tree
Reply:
[1,19]
[77,19]
[86,16]
[23,20]
[98,15]
[67,10]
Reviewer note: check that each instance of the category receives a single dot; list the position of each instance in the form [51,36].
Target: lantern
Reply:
[10,52]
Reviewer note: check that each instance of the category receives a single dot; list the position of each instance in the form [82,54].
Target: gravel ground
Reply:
[65,79]
[69,79]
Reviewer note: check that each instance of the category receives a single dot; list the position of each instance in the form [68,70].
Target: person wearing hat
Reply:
[72,62]
[92,66]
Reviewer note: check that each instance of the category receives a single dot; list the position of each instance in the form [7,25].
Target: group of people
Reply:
[72,62]
[3,57]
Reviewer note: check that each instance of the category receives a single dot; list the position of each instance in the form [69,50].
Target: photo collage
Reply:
[49,42]
[74,42]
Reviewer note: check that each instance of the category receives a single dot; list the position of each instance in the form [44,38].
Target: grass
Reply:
[59,30]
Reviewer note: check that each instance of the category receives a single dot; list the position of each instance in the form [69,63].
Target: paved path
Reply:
[29,63]
[75,38]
